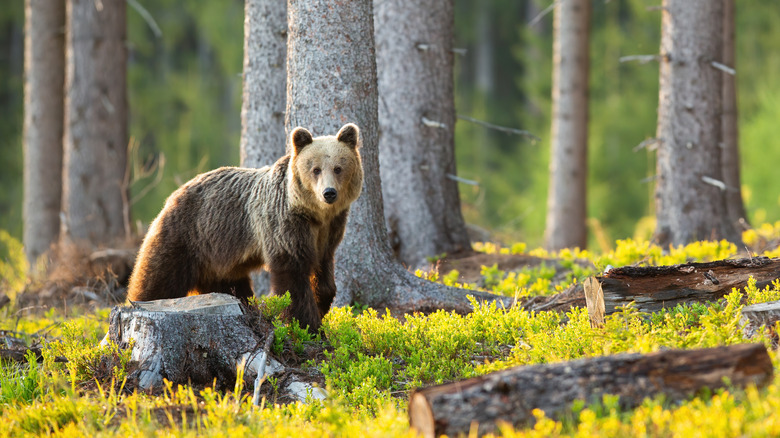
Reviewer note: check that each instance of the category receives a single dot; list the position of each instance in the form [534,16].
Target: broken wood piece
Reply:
[652,288]
[594,299]
[261,370]
[511,395]
[198,340]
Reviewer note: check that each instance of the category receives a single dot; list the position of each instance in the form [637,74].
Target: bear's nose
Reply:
[330,195]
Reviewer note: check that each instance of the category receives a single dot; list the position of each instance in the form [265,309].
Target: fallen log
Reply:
[511,395]
[199,340]
[653,288]
[21,355]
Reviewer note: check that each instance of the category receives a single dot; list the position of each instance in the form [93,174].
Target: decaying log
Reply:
[511,395]
[653,288]
[196,340]
[21,355]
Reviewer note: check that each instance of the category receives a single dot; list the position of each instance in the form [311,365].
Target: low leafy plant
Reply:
[87,360]
[21,383]
[271,306]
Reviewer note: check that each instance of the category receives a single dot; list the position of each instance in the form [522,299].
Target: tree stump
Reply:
[199,340]
[511,395]
[652,288]
[765,315]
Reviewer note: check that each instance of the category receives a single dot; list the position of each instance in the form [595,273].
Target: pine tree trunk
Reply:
[44,65]
[95,133]
[331,81]
[417,129]
[690,205]
[263,137]
[265,82]
[731,171]
[566,201]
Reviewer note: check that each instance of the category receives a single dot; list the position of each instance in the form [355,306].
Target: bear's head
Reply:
[326,173]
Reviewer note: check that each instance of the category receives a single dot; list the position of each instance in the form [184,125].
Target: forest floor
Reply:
[370,362]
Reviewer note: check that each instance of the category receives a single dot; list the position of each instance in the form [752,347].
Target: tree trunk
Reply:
[730,158]
[263,137]
[44,65]
[485,47]
[331,76]
[653,288]
[566,201]
[265,83]
[690,193]
[417,129]
[511,395]
[94,192]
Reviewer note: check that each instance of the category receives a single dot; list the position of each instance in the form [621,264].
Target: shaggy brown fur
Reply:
[290,217]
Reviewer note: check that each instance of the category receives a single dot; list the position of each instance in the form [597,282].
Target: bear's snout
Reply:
[330,195]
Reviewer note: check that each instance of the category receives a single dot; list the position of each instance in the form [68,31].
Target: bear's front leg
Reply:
[288,274]
[324,286]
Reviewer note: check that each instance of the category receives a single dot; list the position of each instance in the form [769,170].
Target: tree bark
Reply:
[690,196]
[263,138]
[94,193]
[44,65]
[511,395]
[417,129]
[730,121]
[265,83]
[566,201]
[653,288]
[331,77]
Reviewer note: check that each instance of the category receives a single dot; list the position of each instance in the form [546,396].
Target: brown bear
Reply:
[289,218]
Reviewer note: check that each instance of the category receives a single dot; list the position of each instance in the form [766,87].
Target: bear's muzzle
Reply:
[330,195]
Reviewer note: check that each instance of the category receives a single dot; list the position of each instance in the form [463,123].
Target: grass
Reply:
[372,361]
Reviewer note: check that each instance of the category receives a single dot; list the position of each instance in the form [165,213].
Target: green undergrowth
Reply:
[372,360]
[560,269]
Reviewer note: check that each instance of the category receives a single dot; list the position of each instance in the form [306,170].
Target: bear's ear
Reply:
[349,134]
[300,138]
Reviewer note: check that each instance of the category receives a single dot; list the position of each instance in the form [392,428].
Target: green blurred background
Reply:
[185,100]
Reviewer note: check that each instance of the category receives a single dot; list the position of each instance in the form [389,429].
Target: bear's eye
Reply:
[337,170]
[317,171]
